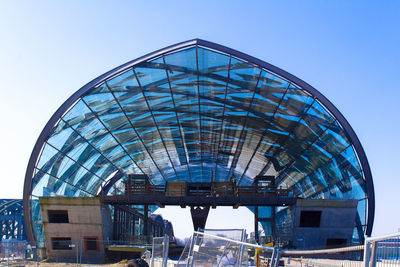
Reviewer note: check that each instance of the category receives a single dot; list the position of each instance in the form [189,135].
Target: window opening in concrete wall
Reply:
[58,216]
[310,218]
[90,243]
[336,242]
[61,243]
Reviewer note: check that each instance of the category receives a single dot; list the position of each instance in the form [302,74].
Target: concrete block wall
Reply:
[85,220]
[337,222]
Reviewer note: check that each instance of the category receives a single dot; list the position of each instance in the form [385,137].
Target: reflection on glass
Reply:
[199,115]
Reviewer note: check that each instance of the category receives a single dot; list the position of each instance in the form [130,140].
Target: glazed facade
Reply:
[199,112]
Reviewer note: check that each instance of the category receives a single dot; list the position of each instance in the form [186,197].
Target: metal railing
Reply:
[335,257]
[380,251]
[213,188]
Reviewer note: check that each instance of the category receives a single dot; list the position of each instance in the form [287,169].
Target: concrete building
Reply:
[69,222]
[318,223]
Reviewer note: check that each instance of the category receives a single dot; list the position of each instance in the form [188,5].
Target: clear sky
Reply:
[348,50]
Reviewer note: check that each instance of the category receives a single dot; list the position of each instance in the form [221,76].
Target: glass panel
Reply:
[348,161]
[334,142]
[181,69]
[295,102]
[243,79]
[39,184]
[78,114]
[304,132]
[361,210]
[267,99]
[213,73]
[47,156]
[154,81]
[36,220]
[100,103]
[123,82]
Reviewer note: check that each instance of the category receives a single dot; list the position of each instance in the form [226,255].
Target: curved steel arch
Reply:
[351,135]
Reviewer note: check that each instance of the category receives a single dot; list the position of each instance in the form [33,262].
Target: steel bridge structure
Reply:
[12,219]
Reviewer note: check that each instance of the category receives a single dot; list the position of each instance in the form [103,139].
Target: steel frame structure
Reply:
[162,200]
[349,132]
[12,219]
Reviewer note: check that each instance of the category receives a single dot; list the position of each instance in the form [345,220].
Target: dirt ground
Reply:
[119,264]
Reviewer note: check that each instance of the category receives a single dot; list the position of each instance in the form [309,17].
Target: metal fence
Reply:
[13,252]
[19,253]
[82,252]
[159,255]
[337,257]
[380,251]
[234,234]
[208,248]
[215,250]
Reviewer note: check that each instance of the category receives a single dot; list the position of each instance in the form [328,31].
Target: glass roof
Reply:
[198,115]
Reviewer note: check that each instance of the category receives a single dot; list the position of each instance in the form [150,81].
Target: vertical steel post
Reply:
[8,253]
[80,249]
[165,250]
[35,247]
[257,257]
[272,262]
[372,262]
[256,237]
[115,223]
[367,252]
[152,254]
[191,252]
[241,248]
[276,260]
[146,222]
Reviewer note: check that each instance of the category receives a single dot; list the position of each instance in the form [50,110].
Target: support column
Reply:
[256,237]
[199,216]
[115,224]
[146,222]
[135,226]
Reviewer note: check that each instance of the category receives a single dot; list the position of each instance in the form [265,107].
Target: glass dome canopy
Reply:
[198,111]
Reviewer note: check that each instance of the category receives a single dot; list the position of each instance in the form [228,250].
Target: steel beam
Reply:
[154,199]
[199,216]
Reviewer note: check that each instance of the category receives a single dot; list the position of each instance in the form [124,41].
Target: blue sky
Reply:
[348,50]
